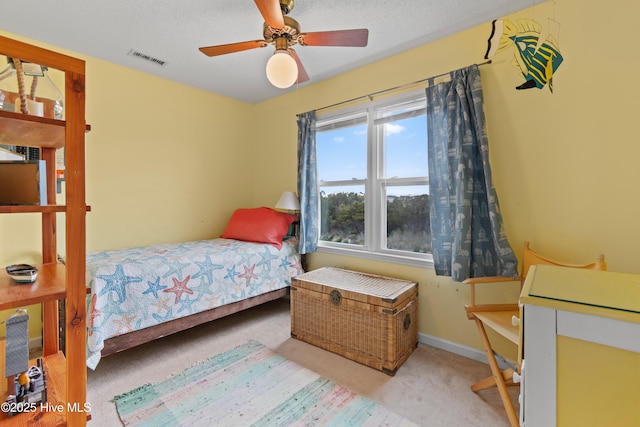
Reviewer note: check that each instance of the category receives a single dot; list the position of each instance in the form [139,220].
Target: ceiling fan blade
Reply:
[350,38]
[271,12]
[302,73]
[223,49]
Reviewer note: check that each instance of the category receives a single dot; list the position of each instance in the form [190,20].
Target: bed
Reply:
[143,293]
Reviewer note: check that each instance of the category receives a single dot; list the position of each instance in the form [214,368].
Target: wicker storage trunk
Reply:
[367,318]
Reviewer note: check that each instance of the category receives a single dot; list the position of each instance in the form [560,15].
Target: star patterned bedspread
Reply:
[136,288]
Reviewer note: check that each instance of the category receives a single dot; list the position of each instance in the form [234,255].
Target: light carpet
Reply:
[250,385]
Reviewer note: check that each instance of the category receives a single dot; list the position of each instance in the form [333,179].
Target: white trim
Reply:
[599,330]
[540,354]
[452,347]
[426,262]
[459,349]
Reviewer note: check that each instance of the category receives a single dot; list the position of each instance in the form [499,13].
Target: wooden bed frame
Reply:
[131,339]
[135,338]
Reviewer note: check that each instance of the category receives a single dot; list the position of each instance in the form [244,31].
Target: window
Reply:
[373,180]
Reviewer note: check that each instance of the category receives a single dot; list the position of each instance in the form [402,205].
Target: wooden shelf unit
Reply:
[20,127]
[34,208]
[66,376]
[14,127]
[49,286]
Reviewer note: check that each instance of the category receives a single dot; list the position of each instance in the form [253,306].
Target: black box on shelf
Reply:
[23,182]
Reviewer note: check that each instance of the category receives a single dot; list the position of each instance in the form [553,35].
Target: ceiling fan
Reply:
[284,67]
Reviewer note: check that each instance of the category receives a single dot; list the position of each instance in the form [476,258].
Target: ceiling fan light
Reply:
[282,69]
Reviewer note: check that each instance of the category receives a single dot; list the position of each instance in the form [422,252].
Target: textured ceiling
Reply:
[173,30]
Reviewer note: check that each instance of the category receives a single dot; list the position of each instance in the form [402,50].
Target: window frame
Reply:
[375,183]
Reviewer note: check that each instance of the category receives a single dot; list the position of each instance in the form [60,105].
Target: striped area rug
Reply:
[250,386]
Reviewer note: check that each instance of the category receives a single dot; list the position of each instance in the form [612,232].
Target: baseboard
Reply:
[35,344]
[452,347]
[459,349]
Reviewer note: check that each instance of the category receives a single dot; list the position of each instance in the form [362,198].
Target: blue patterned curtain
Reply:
[308,182]
[468,237]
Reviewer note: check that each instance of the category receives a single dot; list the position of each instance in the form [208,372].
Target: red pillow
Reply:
[262,225]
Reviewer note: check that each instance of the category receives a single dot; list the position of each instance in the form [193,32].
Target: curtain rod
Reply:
[357,98]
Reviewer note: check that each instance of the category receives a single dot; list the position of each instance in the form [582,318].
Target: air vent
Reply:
[146,57]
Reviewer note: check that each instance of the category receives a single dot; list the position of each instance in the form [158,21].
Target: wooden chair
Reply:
[504,319]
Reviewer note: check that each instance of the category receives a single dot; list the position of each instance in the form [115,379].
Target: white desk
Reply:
[581,348]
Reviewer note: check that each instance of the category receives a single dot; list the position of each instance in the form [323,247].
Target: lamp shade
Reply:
[288,201]
[282,70]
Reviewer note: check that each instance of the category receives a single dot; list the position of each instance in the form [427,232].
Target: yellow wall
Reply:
[167,163]
[565,165]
